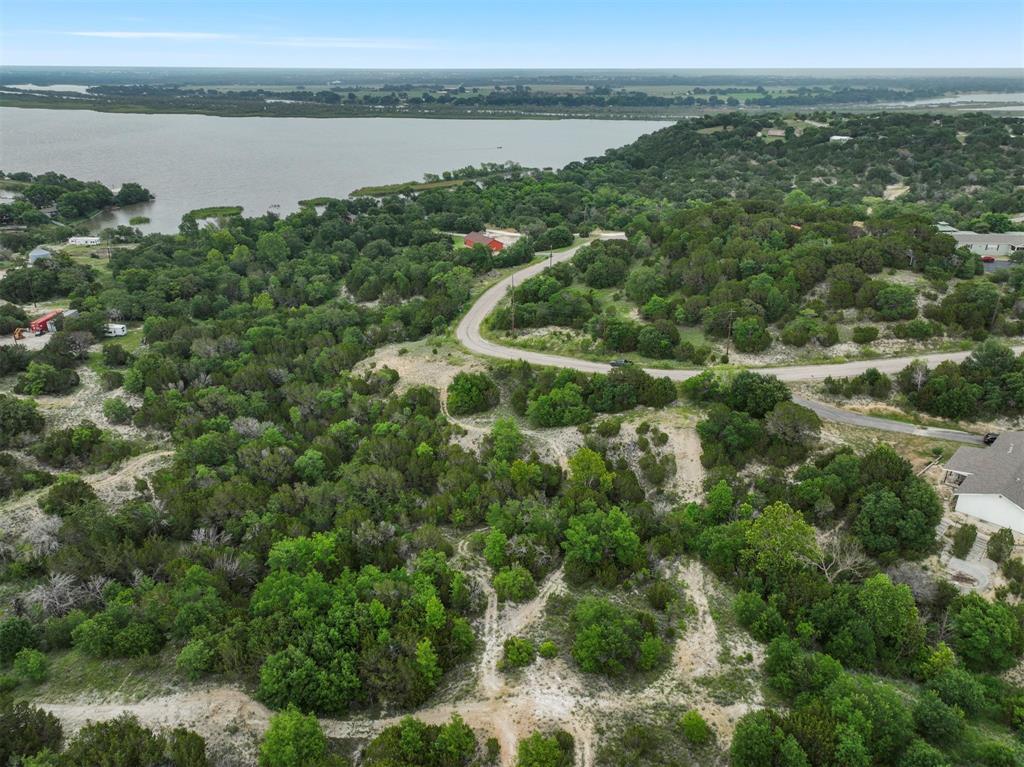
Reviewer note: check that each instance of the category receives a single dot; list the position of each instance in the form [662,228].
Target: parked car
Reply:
[991,437]
[988,259]
[619,363]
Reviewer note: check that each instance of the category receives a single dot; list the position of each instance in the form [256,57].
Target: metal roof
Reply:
[994,470]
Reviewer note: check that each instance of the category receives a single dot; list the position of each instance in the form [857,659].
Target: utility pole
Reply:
[513,305]
[728,337]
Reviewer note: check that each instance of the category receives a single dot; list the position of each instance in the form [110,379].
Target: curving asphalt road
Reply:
[468,334]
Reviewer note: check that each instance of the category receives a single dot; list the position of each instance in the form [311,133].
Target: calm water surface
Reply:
[194,161]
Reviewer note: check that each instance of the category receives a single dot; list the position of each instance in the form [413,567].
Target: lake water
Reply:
[194,161]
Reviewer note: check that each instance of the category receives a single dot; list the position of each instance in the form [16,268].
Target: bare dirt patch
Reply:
[894,191]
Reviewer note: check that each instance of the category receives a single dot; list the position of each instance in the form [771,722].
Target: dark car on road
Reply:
[620,363]
[991,437]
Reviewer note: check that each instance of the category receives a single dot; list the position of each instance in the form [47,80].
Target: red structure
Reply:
[41,325]
[479,238]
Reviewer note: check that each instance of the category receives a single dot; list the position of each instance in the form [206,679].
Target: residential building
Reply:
[480,238]
[83,240]
[989,481]
[990,244]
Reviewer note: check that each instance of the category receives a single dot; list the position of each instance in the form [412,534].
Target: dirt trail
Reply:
[548,694]
[118,483]
[227,718]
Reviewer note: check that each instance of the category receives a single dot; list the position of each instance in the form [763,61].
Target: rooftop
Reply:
[994,470]
[979,238]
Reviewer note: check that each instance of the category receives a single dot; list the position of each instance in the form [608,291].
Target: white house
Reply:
[989,482]
[83,240]
[840,139]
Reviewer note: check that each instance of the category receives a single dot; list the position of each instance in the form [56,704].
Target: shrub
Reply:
[541,750]
[112,379]
[31,665]
[864,334]
[1000,545]
[938,722]
[957,687]
[547,649]
[517,652]
[121,741]
[17,416]
[41,378]
[115,355]
[987,634]
[411,742]
[749,335]
[67,492]
[26,730]
[613,640]
[963,540]
[695,729]
[117,411]
[515,584]
[293,739]
[195,659]
[15,635]
[471,393]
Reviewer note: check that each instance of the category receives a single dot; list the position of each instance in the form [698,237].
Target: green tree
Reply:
[26,731]
[31,665]
[293,739]
[506,439]
[514,584]
[587,468]
[987,635]
[471,393]
[539,750]
[1000,545]
[780,542]
[750,335]
[603,544]
[17,416]
[759,741]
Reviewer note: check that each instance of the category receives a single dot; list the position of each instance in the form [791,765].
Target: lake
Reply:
[195,161]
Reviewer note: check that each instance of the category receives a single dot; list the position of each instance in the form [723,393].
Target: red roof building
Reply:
[479,238]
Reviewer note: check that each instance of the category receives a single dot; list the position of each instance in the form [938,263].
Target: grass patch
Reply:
[732,685]
[653,736]
[314,202]
[215,211]
[73,673]
[136,220]
[406,187]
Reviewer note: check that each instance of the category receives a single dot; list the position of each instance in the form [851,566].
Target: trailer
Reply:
[46,323]
[113,330]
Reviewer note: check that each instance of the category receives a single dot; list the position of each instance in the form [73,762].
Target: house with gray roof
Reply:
[989,244]
[989,481]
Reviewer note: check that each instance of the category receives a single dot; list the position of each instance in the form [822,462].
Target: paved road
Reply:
[831,413]
[468,334]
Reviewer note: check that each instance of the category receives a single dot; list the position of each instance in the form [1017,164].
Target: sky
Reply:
[517,34]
